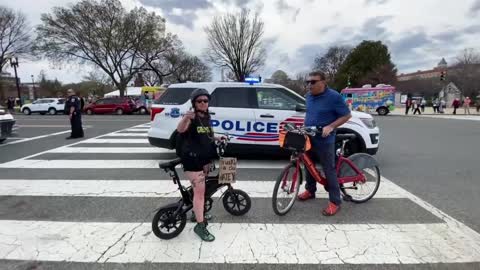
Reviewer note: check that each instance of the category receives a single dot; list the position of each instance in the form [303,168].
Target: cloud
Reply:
[472,29]
[238,3]
[169,5]
[375,2]
[448,36]
[406,45]
[475,8]
[372,28]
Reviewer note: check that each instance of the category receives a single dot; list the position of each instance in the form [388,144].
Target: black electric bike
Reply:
[170,220]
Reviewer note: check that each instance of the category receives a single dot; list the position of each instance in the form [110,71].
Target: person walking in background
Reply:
[443,106]
[408,104]
[478,105]
[466,104]
[436,104]
[416,107]
[10,104]
[422,104]
[455,105]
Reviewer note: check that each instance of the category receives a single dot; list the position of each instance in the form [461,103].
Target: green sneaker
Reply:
[206,217]
[201,230]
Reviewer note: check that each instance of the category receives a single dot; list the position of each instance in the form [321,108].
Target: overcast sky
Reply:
[419,33]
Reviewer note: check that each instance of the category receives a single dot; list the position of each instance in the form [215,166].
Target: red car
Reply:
[111,105]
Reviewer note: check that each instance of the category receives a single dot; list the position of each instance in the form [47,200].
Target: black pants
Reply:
[417,110]
[76,123]
[435,109]
[455,110]
[407,108]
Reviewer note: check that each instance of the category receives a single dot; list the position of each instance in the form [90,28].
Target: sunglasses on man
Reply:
[312,82]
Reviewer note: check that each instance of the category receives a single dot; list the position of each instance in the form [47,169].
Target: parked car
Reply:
[44,105]
[252,114]
[111,105]
[7,123]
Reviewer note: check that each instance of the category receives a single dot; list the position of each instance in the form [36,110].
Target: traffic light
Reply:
[443,75]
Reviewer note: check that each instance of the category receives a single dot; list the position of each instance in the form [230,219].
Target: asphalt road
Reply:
[89,205]
[437,159]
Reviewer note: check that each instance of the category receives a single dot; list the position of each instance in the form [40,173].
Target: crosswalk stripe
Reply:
[145,188]
[116,141]
[240,243]
[113,150]
[117,134]
[112,164]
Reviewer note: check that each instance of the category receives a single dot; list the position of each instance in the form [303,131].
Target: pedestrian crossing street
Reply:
[92,202]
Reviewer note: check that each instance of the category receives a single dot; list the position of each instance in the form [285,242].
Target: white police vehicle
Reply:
[252,113]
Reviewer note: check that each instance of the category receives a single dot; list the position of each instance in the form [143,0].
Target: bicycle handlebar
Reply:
[304,130]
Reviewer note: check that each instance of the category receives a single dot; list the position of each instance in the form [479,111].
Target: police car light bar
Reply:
[252,80]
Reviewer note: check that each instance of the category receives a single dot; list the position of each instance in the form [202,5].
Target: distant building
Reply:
[449,93]
[425,74]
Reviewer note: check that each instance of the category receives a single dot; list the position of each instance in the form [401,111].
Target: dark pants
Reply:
[435,109]
[76,123]
[407,108]
[455,110]
[417,110]
[325,154]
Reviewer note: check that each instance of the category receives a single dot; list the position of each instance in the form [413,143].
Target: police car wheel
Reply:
[52,111]
[27,111]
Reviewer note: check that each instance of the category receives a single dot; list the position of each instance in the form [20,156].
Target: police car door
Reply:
[232,113]
[276,106]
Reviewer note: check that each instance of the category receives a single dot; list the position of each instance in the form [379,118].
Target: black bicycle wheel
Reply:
[237,202]
[286,191]
[360,192]
[165,225]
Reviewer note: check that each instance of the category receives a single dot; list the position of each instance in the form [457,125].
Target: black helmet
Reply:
[199,92]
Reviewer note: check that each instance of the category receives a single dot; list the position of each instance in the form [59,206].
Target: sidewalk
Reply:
[448,112]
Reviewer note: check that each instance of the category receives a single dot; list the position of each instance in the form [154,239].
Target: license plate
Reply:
[227,170]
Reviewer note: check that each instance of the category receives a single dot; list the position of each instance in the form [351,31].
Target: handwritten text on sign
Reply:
[227,171]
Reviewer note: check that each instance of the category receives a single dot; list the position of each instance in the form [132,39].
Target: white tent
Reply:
[131,91]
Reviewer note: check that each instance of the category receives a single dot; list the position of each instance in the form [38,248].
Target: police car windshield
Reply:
[175,96]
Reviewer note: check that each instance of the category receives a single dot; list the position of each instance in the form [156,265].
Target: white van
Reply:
[251,113]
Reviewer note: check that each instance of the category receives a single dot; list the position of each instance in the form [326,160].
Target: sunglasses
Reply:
[312,82]
[201,101]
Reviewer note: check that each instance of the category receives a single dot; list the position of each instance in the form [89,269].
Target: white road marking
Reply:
[36,138]
[103,141]
[240,243]
[115,150]
[136,130]
[457,117]
[48,126]
[145,188]
[113,164]
[116,134]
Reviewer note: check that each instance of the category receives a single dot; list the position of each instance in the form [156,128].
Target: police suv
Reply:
[252,114]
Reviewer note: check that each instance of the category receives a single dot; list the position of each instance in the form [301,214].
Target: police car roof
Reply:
[209,85]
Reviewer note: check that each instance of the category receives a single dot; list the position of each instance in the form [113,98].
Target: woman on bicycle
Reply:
[197,152]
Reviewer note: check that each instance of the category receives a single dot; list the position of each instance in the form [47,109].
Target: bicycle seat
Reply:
[341,137]
[171,164]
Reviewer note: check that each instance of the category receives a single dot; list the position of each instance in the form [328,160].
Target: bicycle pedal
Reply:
[347,198]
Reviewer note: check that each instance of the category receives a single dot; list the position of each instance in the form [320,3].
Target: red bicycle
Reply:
[358,175]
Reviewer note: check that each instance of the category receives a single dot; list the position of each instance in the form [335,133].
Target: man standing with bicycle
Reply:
[327,109]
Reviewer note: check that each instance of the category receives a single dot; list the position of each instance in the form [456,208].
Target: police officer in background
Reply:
[73,108]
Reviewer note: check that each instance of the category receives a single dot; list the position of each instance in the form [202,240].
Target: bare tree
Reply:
[15,39]
[331,61]
[234,41]
[103,34]
[466,71]
[190,68]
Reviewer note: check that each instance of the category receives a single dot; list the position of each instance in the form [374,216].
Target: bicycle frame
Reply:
[311,167]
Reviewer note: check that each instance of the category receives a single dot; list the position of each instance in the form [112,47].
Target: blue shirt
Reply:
[324,109]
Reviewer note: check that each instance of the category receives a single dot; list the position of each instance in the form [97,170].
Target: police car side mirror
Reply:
[300,107]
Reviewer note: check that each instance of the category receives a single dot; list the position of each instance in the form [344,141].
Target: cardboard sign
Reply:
[227,170]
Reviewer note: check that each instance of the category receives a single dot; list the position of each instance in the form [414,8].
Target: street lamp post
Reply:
[14,64]
[32,96]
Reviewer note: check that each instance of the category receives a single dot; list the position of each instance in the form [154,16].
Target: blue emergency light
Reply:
[252,80]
